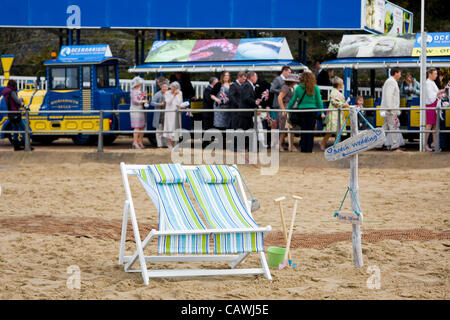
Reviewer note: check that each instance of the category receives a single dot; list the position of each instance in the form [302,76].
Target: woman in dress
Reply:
[285,95]
[137,119]
[173,99]
[432,94]
[337,101]
[222,120]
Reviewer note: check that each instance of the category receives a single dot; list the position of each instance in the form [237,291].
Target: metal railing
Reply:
[101,132]
[150,87]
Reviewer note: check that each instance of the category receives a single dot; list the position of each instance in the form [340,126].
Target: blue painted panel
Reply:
[194,14]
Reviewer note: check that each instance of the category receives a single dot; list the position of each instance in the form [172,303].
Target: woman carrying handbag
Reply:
[306,96]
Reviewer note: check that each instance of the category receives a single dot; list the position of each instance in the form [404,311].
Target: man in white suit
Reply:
[391,100]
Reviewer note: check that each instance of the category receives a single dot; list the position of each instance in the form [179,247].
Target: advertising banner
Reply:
[372,46]
[384,17]
[219,50]
[83,53]
[407,22]
[374,11]
[438,44]
[393,19]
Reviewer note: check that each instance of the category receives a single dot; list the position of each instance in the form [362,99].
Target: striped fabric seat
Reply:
[223,209]
[168,173]
[216,174]
[176,211]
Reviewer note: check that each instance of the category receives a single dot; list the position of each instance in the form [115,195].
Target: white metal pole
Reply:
[356,228]
[423,66]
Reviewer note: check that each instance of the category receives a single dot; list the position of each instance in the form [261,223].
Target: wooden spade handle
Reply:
[291,231]
[283,223]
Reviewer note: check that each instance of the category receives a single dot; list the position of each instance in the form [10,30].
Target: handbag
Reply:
[13,117]
[294,117]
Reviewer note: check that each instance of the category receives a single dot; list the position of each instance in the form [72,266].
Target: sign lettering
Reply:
[363,141]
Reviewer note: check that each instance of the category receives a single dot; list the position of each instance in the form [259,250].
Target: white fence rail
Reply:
[149,86]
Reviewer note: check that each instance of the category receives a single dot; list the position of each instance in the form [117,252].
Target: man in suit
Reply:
[208,103]
[248,101]
[185,83]
[322,76]
[390,98]
[277,84]
[235,98]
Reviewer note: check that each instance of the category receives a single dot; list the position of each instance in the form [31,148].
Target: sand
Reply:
[56,215]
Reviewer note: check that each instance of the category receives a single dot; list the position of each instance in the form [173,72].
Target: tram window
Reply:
[106,77]
[86,77]
[64,78]
[112,76]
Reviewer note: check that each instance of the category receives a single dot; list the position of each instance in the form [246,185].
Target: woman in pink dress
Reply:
[432,94]
[137,99]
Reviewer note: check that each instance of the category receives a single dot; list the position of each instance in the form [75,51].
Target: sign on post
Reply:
[363,141]
[350,217]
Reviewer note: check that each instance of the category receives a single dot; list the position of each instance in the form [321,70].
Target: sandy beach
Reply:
[57,214]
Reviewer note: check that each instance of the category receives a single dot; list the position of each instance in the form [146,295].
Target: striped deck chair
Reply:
[214,187]
[181,234]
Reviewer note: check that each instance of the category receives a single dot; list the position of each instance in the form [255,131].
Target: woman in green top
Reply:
[306,96]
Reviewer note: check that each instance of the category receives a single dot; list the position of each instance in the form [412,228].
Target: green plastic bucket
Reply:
[275,256]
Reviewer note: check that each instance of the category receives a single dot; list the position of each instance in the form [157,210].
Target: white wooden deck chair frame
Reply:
[235,259]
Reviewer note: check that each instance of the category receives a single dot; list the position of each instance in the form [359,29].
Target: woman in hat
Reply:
[286,94]
[137,99]
[174,99]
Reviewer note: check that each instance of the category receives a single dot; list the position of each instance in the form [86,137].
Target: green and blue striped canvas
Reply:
[216,174]
[223,209]
[176,212]
[168,173]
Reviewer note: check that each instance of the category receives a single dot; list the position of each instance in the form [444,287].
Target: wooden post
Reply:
[356,228]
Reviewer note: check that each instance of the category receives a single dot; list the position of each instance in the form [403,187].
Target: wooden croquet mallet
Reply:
[291,231]
[283,223]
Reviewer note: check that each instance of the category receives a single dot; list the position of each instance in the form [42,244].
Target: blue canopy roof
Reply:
[217,66]
[382,63]
[92,61]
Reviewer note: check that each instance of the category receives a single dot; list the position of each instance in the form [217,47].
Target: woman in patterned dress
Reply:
[337,101]
[137,119]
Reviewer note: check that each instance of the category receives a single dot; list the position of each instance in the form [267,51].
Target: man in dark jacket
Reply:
[185,83]
[248,101]
[14,104]
[235,98]
[322,76]
[208,103]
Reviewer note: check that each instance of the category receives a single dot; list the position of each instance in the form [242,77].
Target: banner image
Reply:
[214,50]
[170,50]
[370,46]
[374,11]
[384,17]
[407,22]
[219,50]
[393,22]
[438,44]
[80,53]
[263,49]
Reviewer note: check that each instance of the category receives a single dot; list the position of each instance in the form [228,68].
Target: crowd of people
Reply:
[247,91]
[288,91]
